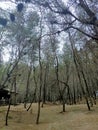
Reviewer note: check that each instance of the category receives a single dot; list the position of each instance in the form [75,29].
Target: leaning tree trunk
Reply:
[78,72]
[9,105]
[84,77]
[34,94]
[7,114]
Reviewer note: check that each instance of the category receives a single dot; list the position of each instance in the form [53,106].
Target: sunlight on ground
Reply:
[76,117]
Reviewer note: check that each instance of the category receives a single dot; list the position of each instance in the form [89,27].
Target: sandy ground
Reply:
[76,117]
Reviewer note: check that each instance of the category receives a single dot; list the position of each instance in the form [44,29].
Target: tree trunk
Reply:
[7,114]
[27,86]
[34,95]
[40,76]
[44,86]
[78,72]
[63,105]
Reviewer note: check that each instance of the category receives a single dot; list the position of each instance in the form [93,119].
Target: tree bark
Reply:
[27,86]
[78,72]
[7,114]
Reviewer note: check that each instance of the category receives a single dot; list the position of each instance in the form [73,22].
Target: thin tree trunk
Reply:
[40,87]
[40,64]
[63,105]
[7,114]
[44,86]
[11,68]
[34,95]
[27,86]
[15,90]
[78,72]
[9,105]
[74,91]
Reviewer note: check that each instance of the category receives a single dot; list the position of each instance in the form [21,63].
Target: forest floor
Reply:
[76,117]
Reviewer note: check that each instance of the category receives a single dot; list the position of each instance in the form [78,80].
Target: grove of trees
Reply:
[53,52]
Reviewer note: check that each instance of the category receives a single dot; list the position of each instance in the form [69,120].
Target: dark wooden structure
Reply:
[4,96]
